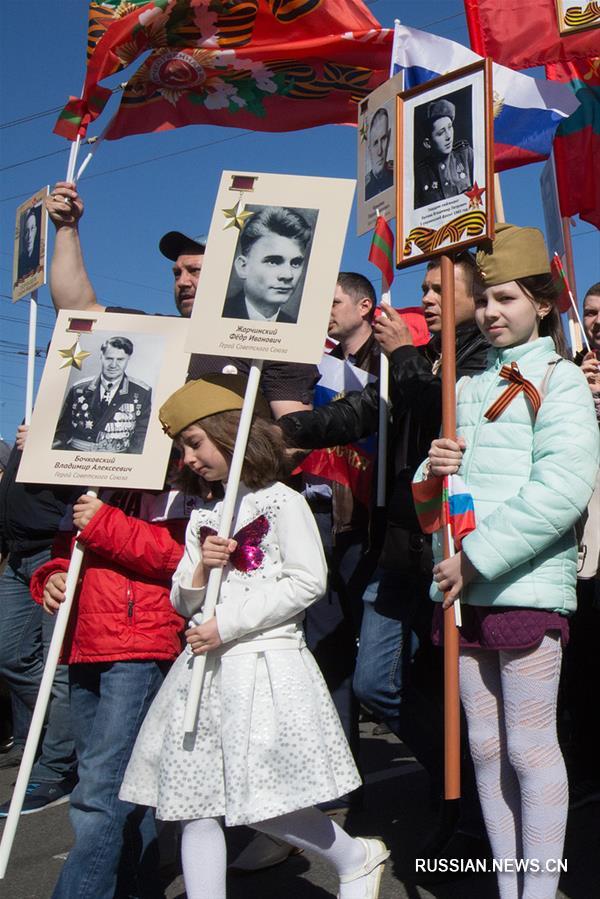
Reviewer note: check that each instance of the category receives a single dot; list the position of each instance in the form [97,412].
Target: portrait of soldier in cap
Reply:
[108,413]
[447,169]
[269,263]
[381,175]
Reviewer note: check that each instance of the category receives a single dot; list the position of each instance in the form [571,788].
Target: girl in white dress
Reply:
[268,743]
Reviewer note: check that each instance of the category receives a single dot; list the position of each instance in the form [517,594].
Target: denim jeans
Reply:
[396,610]
[116,850]
[25,634]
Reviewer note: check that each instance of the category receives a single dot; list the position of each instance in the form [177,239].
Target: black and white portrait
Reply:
[108,403]
[30,229]
[269,266]
[443,147]
[379,167]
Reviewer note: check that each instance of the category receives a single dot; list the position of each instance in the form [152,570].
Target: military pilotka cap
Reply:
[437,109]
[514,253]
[174,243]
[206,396]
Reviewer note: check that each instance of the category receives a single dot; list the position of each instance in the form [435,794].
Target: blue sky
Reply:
[137,188]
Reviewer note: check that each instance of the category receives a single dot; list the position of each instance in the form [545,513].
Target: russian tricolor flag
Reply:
[527,111]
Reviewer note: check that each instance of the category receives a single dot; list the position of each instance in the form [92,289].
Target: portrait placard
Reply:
[577,15]
[555,240]
[270,267]
[29,256]
[445,183]
[376,146]
[95,420]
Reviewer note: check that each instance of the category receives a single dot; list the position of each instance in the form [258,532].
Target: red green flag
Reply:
[577,141]
[381,253]
[264,65]
[561,284]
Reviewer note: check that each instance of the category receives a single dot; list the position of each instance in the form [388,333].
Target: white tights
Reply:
[510,703]
[204,860]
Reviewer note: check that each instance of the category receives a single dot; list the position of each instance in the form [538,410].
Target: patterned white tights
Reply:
[510,703]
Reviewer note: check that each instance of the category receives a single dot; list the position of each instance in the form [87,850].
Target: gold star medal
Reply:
[237,216]
[74,356]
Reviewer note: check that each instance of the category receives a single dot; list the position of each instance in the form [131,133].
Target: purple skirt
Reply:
[504,628]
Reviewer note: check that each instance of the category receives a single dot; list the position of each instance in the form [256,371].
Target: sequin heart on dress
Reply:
[247,556]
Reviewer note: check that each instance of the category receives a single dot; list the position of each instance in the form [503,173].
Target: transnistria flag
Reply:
[350,465]
[381,253]
[441,501]
[266,65]
[561,283]
[525,33]
[577,141]
[527,110]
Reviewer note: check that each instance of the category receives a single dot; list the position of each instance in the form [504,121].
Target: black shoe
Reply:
[11,757]
[583,792]
[349,801]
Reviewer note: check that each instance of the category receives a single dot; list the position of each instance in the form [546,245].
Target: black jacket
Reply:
[30,513]
[416,401]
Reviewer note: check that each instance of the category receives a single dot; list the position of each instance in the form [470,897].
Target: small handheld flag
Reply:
[381,253]
[561,284]
[441,501]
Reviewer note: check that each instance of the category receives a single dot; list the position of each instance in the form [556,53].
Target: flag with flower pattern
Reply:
[265,65]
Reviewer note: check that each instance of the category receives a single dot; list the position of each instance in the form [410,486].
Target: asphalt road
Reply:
[396,809]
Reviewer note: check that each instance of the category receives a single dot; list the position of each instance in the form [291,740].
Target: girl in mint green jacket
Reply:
[527,448]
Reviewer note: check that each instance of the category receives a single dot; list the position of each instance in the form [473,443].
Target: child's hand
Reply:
[445,456]
[54,592]
[21,437]
[452,575]
[84,510]
[216,551]
[204,637]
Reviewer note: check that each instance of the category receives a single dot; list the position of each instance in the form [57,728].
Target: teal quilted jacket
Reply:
[531,479]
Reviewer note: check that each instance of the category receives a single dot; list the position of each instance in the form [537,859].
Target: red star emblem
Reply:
[475,195]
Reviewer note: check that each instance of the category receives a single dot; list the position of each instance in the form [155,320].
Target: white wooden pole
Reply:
[39,712]
[382,428]
[229,501]
[31,356]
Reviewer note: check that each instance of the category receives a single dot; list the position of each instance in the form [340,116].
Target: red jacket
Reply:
[121,610]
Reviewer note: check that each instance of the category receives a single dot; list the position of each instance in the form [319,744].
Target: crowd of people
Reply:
[325,602]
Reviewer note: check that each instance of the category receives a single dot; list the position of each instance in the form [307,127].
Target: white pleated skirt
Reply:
[268,741]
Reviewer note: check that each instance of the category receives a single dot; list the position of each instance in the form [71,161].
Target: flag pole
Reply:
[31,356]
[576,333]
[451,642]
[216,574]
[41,705]
[384,398]
[498,201]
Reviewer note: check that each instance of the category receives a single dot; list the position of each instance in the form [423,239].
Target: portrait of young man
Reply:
[445,168]
[381,174]
[269,262]
[108,413]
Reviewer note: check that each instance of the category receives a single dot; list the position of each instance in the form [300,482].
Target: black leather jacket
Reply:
[416,415]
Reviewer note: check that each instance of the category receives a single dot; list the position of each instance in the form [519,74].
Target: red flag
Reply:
[561,284]
[265,65]
[381,253]
[524,33]
[577,141]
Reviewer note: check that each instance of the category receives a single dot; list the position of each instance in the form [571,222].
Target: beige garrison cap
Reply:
[206,396]
[514,253]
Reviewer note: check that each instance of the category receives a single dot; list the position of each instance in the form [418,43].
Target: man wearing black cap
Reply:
[288,387]
[448,169]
